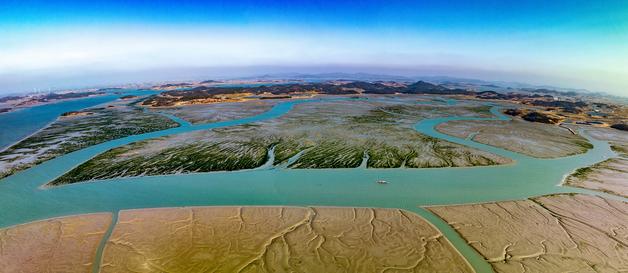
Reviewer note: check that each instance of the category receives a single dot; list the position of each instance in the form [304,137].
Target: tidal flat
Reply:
[80,129]
[233,239]
[553,233]
[216,112]
[66,244]
[529,138]
[331,134]
[611,175]
[275,185]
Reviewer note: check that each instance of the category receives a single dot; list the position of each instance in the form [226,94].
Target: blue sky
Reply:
[581,44]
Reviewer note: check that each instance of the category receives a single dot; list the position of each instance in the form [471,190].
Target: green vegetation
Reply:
[582,172]
[484,110]
[386,156]
[198,157]
[69,134]
[585,144]
[330,154]
[287,148]
[620,149]
[324,135]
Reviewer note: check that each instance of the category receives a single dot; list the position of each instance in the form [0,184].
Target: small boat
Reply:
[382,182]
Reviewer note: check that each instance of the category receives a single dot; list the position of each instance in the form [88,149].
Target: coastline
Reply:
[380,189]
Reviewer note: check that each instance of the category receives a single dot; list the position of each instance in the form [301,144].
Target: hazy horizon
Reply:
[112,79]
[62,44]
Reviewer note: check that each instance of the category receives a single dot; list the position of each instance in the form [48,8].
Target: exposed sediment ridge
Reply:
[216,112]
[533,139]
[556,233]
[325,134]
[66,244]
[611,175]
[77,130]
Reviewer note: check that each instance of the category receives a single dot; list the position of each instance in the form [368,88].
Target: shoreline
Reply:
[393,205]
[2,149]
[472,136]
[508,161]
[17,109]
[14,108]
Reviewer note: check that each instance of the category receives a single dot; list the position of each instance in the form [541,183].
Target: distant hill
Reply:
[331,76]
[422,87]
[211,93]
[453,82]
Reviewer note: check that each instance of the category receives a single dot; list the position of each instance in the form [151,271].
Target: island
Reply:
[345,133]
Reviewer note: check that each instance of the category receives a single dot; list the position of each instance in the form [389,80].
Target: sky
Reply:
[57,44]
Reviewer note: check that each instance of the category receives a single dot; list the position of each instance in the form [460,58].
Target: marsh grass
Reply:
[67,135]
[328,135]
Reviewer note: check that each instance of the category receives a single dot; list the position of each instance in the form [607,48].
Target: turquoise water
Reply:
[23,200]
[21,123]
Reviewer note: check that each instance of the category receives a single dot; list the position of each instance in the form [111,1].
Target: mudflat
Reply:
[216,112]
[530,138]
[76,130]
[320,135]
[555,233]
[66,244]
[611,175]
[277,239]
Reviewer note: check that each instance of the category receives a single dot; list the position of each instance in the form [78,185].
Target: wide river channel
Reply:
[23,199]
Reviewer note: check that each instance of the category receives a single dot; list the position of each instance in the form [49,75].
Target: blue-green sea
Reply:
[20,123]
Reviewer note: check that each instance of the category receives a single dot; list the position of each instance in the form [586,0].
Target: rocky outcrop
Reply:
[513,112]
[620,126]
[541,117]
